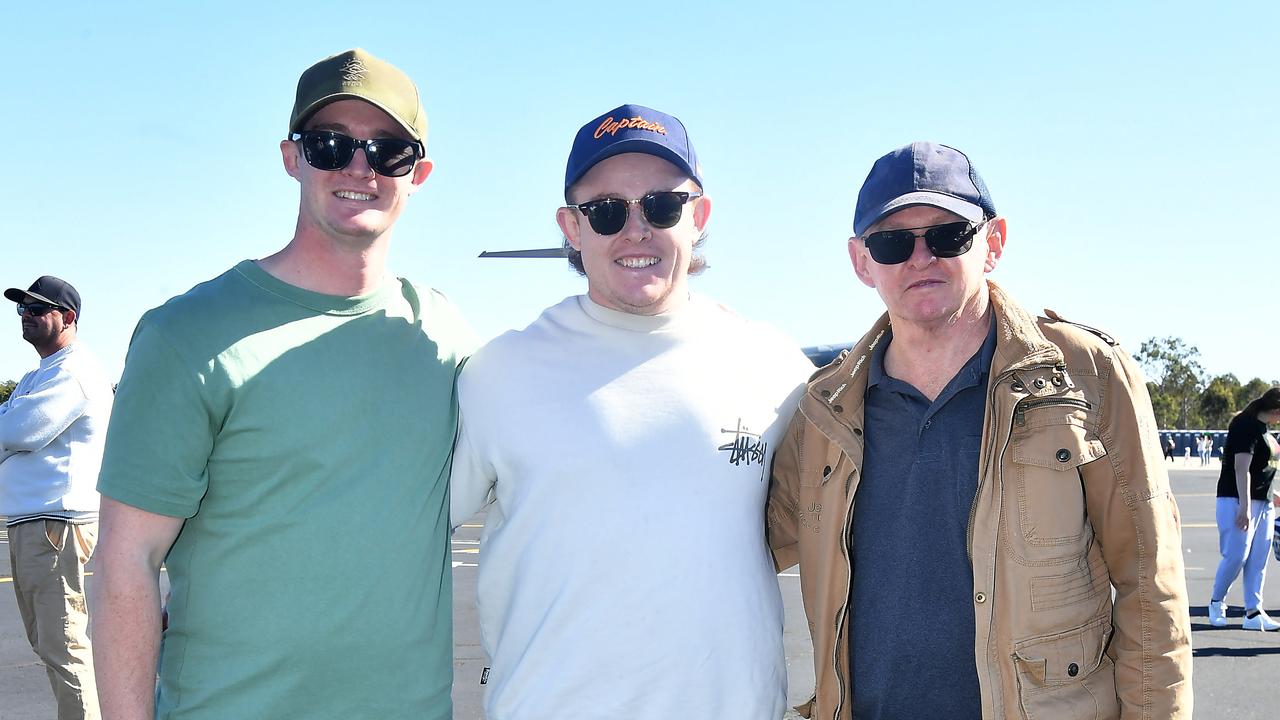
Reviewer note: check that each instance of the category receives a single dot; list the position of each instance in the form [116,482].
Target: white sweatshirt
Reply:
[623,565]
[52,430]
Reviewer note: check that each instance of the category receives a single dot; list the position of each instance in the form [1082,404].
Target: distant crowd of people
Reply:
[648,459]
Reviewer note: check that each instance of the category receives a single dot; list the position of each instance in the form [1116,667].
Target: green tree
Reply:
[1174,368]
[1219,401]
[1166,411]
[1251,391]
[6,389]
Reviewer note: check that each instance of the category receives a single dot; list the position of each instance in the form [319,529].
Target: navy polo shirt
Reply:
[911,616]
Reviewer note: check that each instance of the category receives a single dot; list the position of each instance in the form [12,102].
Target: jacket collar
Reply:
[841,387]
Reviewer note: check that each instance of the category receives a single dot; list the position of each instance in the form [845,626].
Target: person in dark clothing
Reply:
[1245,513]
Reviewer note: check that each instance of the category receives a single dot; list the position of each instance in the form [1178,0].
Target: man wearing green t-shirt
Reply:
[281,442]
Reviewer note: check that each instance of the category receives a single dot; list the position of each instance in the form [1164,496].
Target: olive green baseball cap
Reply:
[356,74]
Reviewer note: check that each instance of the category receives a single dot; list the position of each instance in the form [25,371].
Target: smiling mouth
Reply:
[637,263]
[353,195]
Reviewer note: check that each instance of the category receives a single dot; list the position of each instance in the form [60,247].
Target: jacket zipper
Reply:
[973,506]
[1020,411]
[842,613]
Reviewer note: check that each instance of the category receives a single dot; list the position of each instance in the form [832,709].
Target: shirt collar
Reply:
[971,374]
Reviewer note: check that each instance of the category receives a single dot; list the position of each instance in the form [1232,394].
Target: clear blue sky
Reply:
[1132,147]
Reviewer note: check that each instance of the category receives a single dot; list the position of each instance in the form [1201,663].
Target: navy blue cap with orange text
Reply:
[631,128]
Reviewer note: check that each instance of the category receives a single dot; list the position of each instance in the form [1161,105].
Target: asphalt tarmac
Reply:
[1236,672]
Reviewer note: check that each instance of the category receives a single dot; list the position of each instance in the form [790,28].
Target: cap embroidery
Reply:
[353,73]
[611,126]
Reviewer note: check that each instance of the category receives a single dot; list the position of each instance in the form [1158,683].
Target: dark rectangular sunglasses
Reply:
[36,309]
[328,150]
[891,247]
[608,216]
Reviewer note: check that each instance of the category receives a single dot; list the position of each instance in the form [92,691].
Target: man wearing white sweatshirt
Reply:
[51,436]
[624,441]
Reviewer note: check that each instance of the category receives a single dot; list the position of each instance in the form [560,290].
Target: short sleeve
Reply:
[472,477]
[161,432]
[1240,439]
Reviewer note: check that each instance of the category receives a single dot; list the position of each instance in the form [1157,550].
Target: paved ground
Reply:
[1237,673]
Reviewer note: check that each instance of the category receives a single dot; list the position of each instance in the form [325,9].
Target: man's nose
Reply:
[359,165]
[921,255]
[637,226]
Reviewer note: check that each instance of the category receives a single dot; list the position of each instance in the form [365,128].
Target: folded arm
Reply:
[31,421]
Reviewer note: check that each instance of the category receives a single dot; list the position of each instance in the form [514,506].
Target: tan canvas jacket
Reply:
[1072,499]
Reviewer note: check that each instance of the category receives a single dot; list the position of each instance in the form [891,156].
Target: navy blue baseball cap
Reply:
[922,173]
[628,129]
[48,289]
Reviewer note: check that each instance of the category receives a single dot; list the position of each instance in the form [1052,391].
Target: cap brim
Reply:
[950,203]
[316,106]
[636,145]
[17,295]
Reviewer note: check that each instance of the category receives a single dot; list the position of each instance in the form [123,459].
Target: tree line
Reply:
[1183,395]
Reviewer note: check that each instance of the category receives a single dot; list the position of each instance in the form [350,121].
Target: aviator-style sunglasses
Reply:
[891,247]
[328,150]
[661,209]
[36,309]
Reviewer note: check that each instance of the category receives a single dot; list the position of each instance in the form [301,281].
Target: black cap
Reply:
[49,289]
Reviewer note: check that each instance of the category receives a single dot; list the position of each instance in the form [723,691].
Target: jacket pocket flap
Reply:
[1058,447]
[827,463]
[1064,657]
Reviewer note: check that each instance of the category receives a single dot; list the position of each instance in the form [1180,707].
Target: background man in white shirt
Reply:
[51,435]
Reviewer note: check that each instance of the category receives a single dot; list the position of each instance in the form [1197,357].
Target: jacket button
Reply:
[1017,386]
[1039,382]
[838,409]
[1063,455]
[826,471]
[857,431]
[1073,669]
[980,597]
[825,393]
[1057,380]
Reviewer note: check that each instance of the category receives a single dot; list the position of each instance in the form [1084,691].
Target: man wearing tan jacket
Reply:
[966,486]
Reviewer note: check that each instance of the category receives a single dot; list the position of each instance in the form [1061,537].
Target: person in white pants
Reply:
[1245,514]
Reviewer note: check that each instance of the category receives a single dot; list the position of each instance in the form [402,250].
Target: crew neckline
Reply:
[663,322]
[319,302]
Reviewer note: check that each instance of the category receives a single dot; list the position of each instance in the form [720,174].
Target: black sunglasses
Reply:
[661,209]
[891,247]
[36,309]
[328,150]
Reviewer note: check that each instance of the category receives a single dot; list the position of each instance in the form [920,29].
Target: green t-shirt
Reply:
[306,439]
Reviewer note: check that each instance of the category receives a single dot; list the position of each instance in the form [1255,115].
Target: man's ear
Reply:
[997,234]
[291,156]
[420,173]
[859,256]
[702,213]
[569,221]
